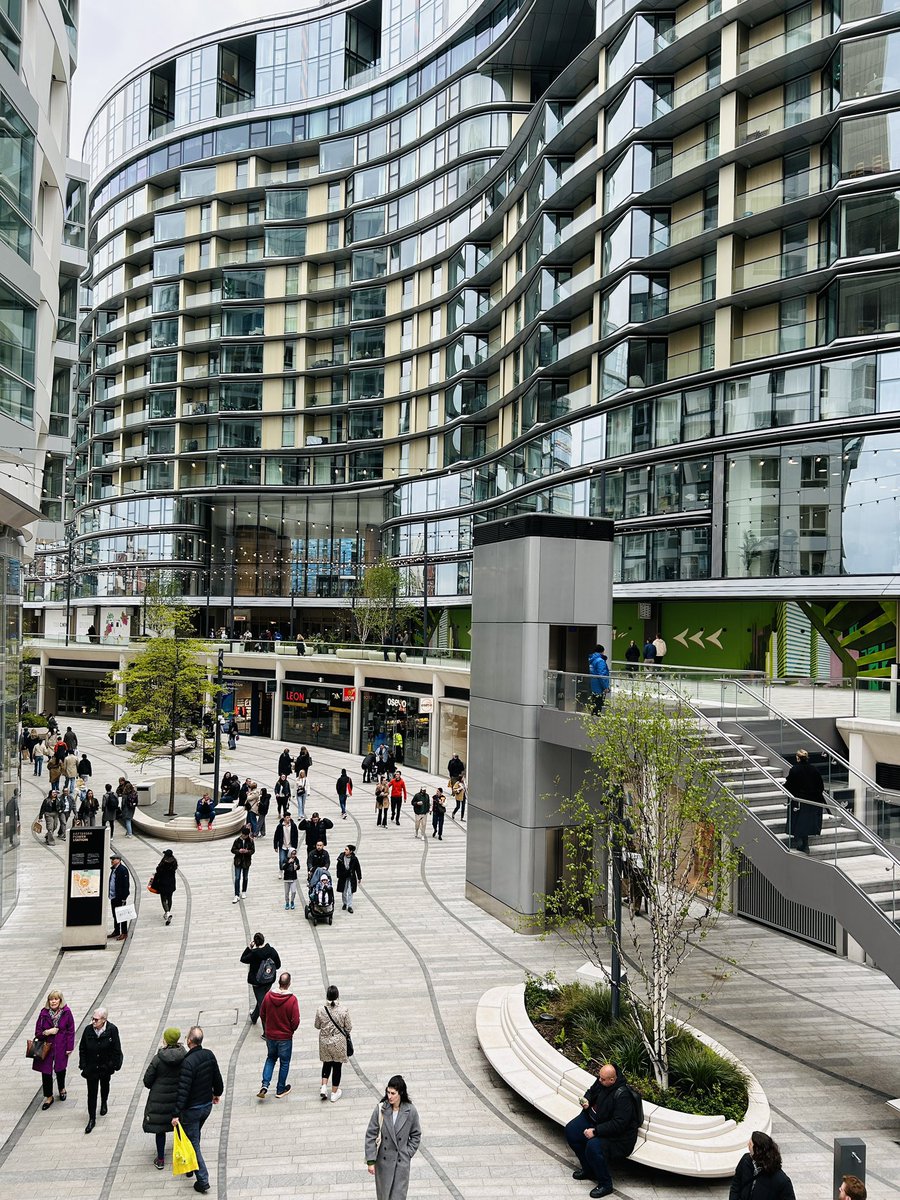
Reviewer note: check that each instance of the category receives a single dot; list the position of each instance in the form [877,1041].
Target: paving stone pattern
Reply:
[822,1035]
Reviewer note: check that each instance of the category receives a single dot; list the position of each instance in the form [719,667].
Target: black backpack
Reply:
[636,1100]
[265,976]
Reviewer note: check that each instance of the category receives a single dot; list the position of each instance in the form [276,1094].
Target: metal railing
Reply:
[348,651]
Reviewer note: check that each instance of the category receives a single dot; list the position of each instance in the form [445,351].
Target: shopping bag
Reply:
[126,912]
[184,1157]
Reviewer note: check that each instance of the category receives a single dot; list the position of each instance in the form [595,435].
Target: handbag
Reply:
[151,885]
[340,1029]
[37,827]
[37,1048]
[126,912]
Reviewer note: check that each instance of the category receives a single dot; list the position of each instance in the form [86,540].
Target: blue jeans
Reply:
[342,799]
[192,1122]
[283,853]
[282,1052]
[241,875]
[348,893]
[253,822]
[39,765]
[126,821]
[589,1151]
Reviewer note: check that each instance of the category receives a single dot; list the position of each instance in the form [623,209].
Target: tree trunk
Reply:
[174,714]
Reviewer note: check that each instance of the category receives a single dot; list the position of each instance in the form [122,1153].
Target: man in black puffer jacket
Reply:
[199,1088]
[606,1128]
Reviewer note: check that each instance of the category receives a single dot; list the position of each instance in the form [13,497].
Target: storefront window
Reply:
[315,715]
[454,732]
[399,722]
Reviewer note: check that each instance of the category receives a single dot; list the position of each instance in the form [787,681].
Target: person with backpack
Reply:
[263,964]
[607,1127]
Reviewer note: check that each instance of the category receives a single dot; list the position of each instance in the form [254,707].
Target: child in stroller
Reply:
[321,897]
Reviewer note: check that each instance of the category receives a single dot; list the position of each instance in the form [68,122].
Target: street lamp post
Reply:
[220,676]
[70,564]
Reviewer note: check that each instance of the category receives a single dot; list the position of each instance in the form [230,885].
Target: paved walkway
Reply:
[411,962]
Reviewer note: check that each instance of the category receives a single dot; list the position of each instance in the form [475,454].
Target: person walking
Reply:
[315,830]
[285,762]
[38,754]
[118,890]
[49,813]
[164,881]
[458,790]
[382,804]
[291,869]
[381,761]
[256,954]
[599,674]
[280,1014]
[56,1025]
[398,795]
[317,859]
[282,792]
[421,806]
[632,656]
[344,788]
[649,653]
[607,1127]
[242,849]
[99,1057]
[70,738]
[64,810]
[110,808]
[88,809]
[200,1086]
[233,734]
[129,804]
[85,770]
[759,1173]
[349,874]
[438,811]
[285,839]
[659,645]
[302,762]
[804,820]
[265,802]
[392,1139]
[162,1076]
[334,1023]
[301,794]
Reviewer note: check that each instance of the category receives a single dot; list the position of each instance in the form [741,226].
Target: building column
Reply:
[280,668]
[359,678]
[434,741]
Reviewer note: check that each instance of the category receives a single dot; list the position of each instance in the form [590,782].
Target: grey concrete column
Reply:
[542,589]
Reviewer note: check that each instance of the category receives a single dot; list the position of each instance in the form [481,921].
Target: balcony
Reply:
[210,334]
[785,43]
[777,266]
[137,385]
[201,299]
[782,191]
[327,283]
[769,342]
[686,295]
[782,117]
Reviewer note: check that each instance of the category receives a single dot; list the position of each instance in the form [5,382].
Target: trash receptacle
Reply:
[120,738]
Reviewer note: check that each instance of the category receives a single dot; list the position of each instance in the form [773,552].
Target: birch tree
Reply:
[377,609]
[650,796]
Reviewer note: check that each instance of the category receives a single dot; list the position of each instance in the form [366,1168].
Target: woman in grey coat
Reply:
[392,1138]
[161,1077]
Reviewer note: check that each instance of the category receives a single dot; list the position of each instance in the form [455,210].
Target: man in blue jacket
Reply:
[599,669]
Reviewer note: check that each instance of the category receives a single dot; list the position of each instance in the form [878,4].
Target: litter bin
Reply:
[120,738]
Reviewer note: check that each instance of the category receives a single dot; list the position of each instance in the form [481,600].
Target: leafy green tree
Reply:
[378,607]
[164,687]
[650,801]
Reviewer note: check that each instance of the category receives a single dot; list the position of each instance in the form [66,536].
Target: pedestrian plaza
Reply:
[821,1034]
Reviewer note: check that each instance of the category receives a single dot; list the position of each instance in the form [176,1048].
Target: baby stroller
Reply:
[368,768]
[320,906]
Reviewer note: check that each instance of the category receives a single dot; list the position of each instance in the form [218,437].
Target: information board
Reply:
[86,877]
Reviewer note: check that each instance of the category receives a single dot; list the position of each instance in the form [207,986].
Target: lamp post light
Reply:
[217,754]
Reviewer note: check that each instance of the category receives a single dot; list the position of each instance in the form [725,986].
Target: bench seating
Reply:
[680,1143]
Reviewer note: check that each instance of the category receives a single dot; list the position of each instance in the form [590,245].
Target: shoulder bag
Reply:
[341,1030]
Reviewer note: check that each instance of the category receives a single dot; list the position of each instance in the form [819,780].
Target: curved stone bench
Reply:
[184,829]
[680,1143]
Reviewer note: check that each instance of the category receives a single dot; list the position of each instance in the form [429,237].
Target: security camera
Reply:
[20,539]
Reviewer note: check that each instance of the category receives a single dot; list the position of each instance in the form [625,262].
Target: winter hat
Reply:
[172,1036]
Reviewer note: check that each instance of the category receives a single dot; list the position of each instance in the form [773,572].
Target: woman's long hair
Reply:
[398,1083]
[766,1154]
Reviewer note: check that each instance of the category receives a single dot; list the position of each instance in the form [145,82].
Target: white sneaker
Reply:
[243,895]
[323,1090]
[236,900]
[335,1096]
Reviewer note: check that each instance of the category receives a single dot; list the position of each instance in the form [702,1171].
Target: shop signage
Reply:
[294,696]
[398,703]
[426,705]
[349,695]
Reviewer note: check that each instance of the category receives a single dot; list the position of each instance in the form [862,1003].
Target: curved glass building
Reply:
[367,275]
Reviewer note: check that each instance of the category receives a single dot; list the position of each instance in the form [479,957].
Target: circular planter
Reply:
[677,1142]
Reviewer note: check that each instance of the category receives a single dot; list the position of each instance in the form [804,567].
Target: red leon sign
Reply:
[349,694]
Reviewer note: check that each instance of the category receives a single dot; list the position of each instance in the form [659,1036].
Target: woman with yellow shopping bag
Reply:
[199,1088]
[161,1077]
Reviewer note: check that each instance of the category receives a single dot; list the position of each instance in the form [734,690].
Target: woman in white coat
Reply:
[392,1138]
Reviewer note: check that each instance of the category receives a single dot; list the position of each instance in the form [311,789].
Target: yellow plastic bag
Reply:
[184,1157]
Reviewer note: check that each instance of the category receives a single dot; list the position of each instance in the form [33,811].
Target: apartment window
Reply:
[435,332]
[288,431]
[292,280]
[168,262]
[404,417]
[407,300]
[432,453]
[287,204]
[797,106]
[792,329]
[164,368]
[434,410]
[290,355]
[405,374]
[289,393]
[205,218]
[205,254]
[290,317]
[333,235]
[796,176]
[437,280]
[334,197]
[200,181]
[710,207]
[286,242]
[169,226]
[166,297]
[241,173]
[406,334]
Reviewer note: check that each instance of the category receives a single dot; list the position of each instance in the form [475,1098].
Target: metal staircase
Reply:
[850,873]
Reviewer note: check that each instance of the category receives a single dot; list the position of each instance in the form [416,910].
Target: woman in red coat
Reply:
[56,1025]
